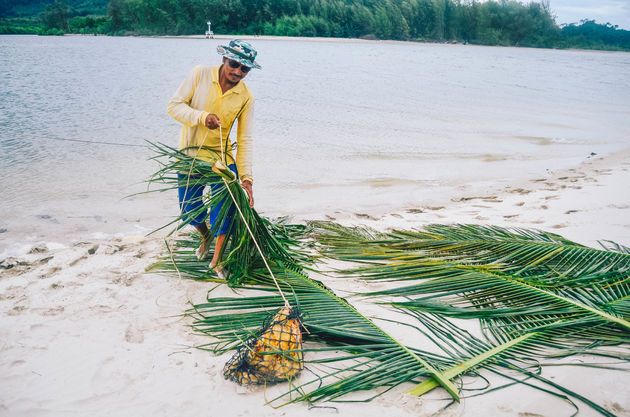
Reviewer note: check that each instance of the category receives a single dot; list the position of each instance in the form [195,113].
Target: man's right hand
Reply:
[212,121]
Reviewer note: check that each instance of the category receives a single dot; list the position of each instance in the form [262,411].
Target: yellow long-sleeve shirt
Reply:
[199,95]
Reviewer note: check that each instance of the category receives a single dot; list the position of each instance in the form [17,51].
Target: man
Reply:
[207,103]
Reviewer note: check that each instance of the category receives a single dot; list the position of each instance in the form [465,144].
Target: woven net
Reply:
[272,356]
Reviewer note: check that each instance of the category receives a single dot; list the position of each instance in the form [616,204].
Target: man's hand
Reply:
[247,186]
[212,121]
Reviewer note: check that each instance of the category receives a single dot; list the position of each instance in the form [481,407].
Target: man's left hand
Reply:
[247,186]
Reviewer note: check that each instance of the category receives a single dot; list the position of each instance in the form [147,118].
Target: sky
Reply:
[616,12]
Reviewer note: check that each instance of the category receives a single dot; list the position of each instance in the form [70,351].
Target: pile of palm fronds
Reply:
[240,252]
[536,297]
[535,294]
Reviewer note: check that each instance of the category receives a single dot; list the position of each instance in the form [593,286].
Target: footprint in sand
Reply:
[521,191]
[14,266]
[604,171]
[50,272]
[44,260]
[617,408]
[520,204]
[110,249]
[77,260]
[365,216]
[133,335]
[16,310]
[39,248]
[488,199]
[47,217]
[52,311]
[125,279]
[558,226]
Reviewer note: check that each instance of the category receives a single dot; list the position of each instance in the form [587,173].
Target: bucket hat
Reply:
[240,51]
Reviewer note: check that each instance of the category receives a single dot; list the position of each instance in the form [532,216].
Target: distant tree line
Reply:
[54,17]
[504,22]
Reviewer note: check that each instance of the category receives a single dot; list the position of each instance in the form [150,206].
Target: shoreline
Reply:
[558,202]
[324,39]
[354,40]
[88,331]
[550,202]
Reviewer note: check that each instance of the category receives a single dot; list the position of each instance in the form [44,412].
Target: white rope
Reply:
[286,303]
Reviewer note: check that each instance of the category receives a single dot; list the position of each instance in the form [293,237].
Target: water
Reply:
[340,125]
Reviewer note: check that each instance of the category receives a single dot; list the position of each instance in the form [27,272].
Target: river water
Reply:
[350,126]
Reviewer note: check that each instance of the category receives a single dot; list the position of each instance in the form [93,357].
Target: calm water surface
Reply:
[340,125]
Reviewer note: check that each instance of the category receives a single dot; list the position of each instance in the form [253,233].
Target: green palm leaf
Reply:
[512,291]
[535,294]
[240,252]
[326,315]
[548,257]
[472,352]
[384,362]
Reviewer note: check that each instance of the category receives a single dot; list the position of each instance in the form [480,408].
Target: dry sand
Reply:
[85,331]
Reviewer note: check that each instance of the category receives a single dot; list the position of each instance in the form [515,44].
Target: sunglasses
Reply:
[234,64]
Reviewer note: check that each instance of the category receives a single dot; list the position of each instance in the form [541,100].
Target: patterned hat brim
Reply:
[231,55]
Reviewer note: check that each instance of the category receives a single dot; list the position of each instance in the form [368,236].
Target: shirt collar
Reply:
[238,88]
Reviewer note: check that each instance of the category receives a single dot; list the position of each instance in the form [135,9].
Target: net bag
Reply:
[271,356]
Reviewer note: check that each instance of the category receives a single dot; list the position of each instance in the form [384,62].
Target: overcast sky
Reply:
[616,12]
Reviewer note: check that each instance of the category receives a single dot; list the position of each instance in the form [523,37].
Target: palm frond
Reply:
[381,361]
[546,257]
[536,294]
[526,274]
[472,352]
[240,253]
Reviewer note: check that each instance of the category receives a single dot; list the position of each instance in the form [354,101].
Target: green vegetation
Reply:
[504,22]
[43,17]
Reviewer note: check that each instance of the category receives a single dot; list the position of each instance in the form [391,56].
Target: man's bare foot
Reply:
[220,271]
[203,250]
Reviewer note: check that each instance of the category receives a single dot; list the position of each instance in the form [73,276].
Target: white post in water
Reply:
[209,33]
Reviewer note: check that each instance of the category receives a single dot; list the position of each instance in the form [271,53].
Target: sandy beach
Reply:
[85,331]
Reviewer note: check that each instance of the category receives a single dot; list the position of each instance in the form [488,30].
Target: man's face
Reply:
[232,75]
